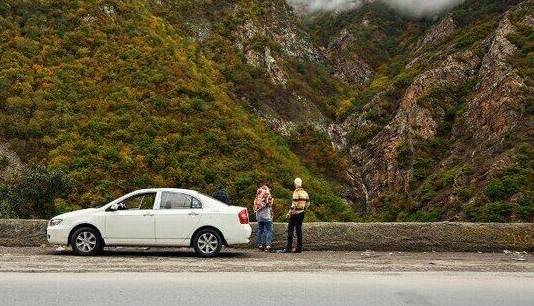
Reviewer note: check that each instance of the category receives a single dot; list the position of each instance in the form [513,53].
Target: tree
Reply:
[33,196]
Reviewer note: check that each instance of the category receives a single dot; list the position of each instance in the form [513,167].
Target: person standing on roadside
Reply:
[301,201]
[263,207]
[221,195]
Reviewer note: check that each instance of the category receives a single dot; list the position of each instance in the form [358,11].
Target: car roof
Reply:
[166,189]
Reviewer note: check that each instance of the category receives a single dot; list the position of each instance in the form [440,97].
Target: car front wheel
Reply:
[86,242]
[207,243]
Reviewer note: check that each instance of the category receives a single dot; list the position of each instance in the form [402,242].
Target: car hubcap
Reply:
[207,243]
[86,241]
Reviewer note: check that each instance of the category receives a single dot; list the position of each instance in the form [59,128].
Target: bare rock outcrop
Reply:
[291,40]
[274,42]
[497,104]
[375,167]
[350,68]
[438,34]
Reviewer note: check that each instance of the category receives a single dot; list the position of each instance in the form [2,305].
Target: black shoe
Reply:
[297,251]
[286,251]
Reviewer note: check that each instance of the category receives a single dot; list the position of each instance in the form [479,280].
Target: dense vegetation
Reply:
[117,99]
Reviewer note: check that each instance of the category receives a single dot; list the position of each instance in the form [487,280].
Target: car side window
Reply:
[140,201]
[147,202]
[195,203]
[172,200]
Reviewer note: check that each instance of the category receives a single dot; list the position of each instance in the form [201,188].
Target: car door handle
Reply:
[193,213]
[148,215]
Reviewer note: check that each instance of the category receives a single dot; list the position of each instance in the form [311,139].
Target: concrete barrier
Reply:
[443,236]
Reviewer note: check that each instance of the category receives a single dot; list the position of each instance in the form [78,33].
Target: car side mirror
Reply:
[113,207]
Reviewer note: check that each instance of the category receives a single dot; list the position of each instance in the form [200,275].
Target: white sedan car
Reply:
[153,217]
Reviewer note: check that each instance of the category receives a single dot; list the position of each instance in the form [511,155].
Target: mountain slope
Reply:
[405,119]
[120,99]
[443,131]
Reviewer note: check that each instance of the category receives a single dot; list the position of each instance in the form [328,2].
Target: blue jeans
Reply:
[264,235]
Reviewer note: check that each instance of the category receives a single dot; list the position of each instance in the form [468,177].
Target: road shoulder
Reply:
[50,259]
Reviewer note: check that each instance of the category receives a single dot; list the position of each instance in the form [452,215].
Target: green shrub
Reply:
[428,192]
[404,155]
[394,207]
[61,206]
[405,79]
[426,216]
[495,190]
[490,212]
[422,167]
[34,195]
[471,35]
[497,212]
[4,162]
[500,189]
[526,207]
[466,193]
[388,213]
[445,179]
[474,10]
[7,205]
[471,213]
[362,136]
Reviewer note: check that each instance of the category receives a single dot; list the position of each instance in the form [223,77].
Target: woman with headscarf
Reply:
[263,204]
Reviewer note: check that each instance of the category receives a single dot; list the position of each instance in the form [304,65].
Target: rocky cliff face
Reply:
[498,101]
[438,33]
[425,110]
[274,43]
[380,171]
[350,68]
[447,142]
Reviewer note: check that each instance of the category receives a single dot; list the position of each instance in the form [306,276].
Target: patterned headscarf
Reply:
[263,198]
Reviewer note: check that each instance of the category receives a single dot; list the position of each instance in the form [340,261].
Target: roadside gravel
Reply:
[51,259]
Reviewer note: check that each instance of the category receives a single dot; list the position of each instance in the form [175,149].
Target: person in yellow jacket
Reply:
[301,201]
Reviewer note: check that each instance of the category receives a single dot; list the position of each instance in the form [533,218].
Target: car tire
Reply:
[86,241]
[207,243]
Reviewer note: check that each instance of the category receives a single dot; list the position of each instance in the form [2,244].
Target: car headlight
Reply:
[54,222]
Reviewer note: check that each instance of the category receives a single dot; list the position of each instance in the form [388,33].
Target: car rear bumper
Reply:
[242,237]
[57,235]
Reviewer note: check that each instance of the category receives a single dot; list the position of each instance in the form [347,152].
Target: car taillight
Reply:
[243,216]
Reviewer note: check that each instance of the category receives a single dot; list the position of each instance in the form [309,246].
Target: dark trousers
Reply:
[295,223]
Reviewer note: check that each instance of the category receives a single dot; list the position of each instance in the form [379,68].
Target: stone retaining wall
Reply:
[15,232]
[443,236]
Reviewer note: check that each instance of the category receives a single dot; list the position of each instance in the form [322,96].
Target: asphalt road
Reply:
[282,288]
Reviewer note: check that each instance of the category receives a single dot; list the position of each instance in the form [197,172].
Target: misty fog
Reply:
[415,8]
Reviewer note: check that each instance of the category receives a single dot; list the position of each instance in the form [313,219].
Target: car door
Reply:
[133,222]
[176,218]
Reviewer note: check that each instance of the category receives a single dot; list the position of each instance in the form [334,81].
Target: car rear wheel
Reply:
[86,241]
[207,243]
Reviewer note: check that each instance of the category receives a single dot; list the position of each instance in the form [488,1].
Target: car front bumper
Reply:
[57,235]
